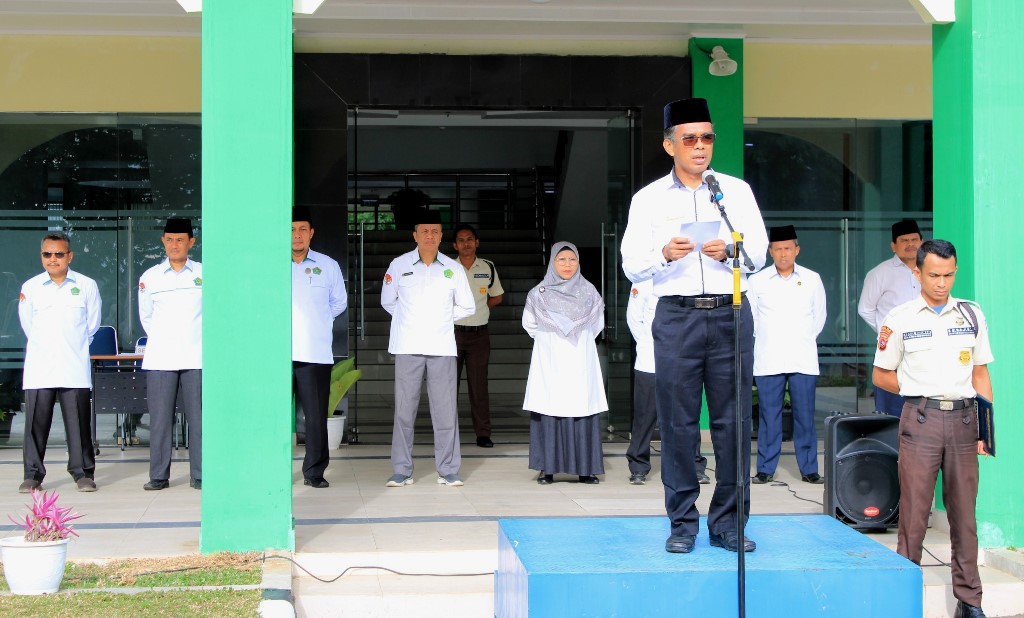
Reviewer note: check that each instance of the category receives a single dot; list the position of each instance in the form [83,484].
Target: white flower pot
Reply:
[335,431]
[33,568]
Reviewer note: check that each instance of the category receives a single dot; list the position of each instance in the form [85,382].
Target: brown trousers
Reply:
[475,354]
[933,440]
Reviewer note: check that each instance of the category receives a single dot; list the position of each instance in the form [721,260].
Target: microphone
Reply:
[716,191]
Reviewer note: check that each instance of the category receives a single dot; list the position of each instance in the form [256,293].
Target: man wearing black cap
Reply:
[788,304]
[693,325]
[171,312]
[318,296]
[425,291]
[887,286]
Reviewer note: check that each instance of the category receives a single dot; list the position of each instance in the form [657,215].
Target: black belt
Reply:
[470,329]
[947,405]
[704,301]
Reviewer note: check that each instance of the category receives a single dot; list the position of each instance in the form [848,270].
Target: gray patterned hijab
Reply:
[565,306]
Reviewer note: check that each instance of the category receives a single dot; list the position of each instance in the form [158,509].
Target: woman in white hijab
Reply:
[565,390]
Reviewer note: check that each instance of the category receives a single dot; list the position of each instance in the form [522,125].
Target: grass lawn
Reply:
[222,569]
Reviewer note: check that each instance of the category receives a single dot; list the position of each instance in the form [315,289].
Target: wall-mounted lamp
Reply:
[721,64]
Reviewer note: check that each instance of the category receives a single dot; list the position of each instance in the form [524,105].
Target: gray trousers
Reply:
[441,384]
[162,391]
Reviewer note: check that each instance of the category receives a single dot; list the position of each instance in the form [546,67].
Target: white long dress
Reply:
[565,378]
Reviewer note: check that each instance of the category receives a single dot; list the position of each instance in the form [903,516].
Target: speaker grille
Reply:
[867,489]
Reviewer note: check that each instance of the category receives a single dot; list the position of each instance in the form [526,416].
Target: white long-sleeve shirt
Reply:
[171,312]
[318,296]
[886,286]
[59,322]
[789,313]
[424,302]
[655,216]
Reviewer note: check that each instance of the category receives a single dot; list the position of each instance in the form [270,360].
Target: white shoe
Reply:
[399,480]
[451,480]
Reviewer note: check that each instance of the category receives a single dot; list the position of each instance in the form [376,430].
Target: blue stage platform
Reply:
[805,565]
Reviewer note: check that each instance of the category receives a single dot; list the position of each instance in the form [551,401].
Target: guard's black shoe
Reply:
[680,543]
[637,478]
[703,479]
[545,479]
[155,485]
[317,483]
[484,442]
[727,540]
[964,610]
[813,478]
[761,478]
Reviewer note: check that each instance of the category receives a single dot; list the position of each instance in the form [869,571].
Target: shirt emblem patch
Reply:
[916,334]
[965,357]
[448,274]
[634,292]
[21,298]
[75,291]
[883,337]
[483,290]
[308,270]
[198,281]
[317,271]
[387,279]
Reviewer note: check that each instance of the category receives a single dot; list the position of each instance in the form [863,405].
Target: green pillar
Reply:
[725,98]
[247,196]
[978,128]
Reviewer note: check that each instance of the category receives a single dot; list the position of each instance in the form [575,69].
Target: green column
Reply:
[247,196]
[725,98]
[978,127]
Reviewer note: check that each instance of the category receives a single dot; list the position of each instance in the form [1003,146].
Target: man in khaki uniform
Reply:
[934,351]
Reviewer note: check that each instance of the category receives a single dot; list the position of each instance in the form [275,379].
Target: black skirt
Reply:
[570,445]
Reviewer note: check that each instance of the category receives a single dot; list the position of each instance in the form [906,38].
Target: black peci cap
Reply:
[686,110]
[178,226]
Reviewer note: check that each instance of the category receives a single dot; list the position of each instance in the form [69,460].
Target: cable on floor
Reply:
[380,568]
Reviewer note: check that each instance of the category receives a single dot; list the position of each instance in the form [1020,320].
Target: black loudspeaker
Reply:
[862,485]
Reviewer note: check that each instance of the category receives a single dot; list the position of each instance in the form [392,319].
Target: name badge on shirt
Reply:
[916,334]
[481,276]
[960,331]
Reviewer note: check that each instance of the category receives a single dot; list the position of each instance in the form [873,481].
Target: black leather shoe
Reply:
[545,479]
[300,439]
[195,483]
[703,479]
[761,478]
[589,479]
[680,543]
[155,485]
[637,478]
[813,478]
[318,483]
[484,442]
[727,540]
[964,610]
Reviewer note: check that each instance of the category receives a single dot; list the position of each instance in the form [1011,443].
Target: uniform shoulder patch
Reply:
[883,337]
[21,297]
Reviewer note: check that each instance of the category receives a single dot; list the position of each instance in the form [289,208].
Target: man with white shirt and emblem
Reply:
[694,325]
[425,292]
[887,286]
[59,312]
[171,312]
[318,296]
[788,305]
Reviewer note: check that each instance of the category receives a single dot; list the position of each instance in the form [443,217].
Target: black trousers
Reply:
[312,383]
[474,353]
[645,418]
[693,350]
[75,407]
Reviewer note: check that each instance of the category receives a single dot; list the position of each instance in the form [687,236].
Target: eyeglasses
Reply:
[691,140]
[58,254]
[566,260]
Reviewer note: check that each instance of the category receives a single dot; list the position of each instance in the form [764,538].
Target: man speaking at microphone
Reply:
[693,324]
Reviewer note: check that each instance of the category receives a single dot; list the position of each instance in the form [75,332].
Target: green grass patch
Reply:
[195,604]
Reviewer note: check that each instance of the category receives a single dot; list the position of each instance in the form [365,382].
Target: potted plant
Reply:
[34,562]
[343,376]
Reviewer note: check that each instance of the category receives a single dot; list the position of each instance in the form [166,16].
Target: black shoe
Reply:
[589,479]
[964,610]
[318,483]
[680,543]
[761,478]
[484,442]
[637,478]
[155,485]
[195,483]
[727,540]
[300,439]
[545,479]
[813,478]
[28,485]
[703,479]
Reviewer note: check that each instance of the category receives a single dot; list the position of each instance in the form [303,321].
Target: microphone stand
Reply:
[741,477]
[738,246]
